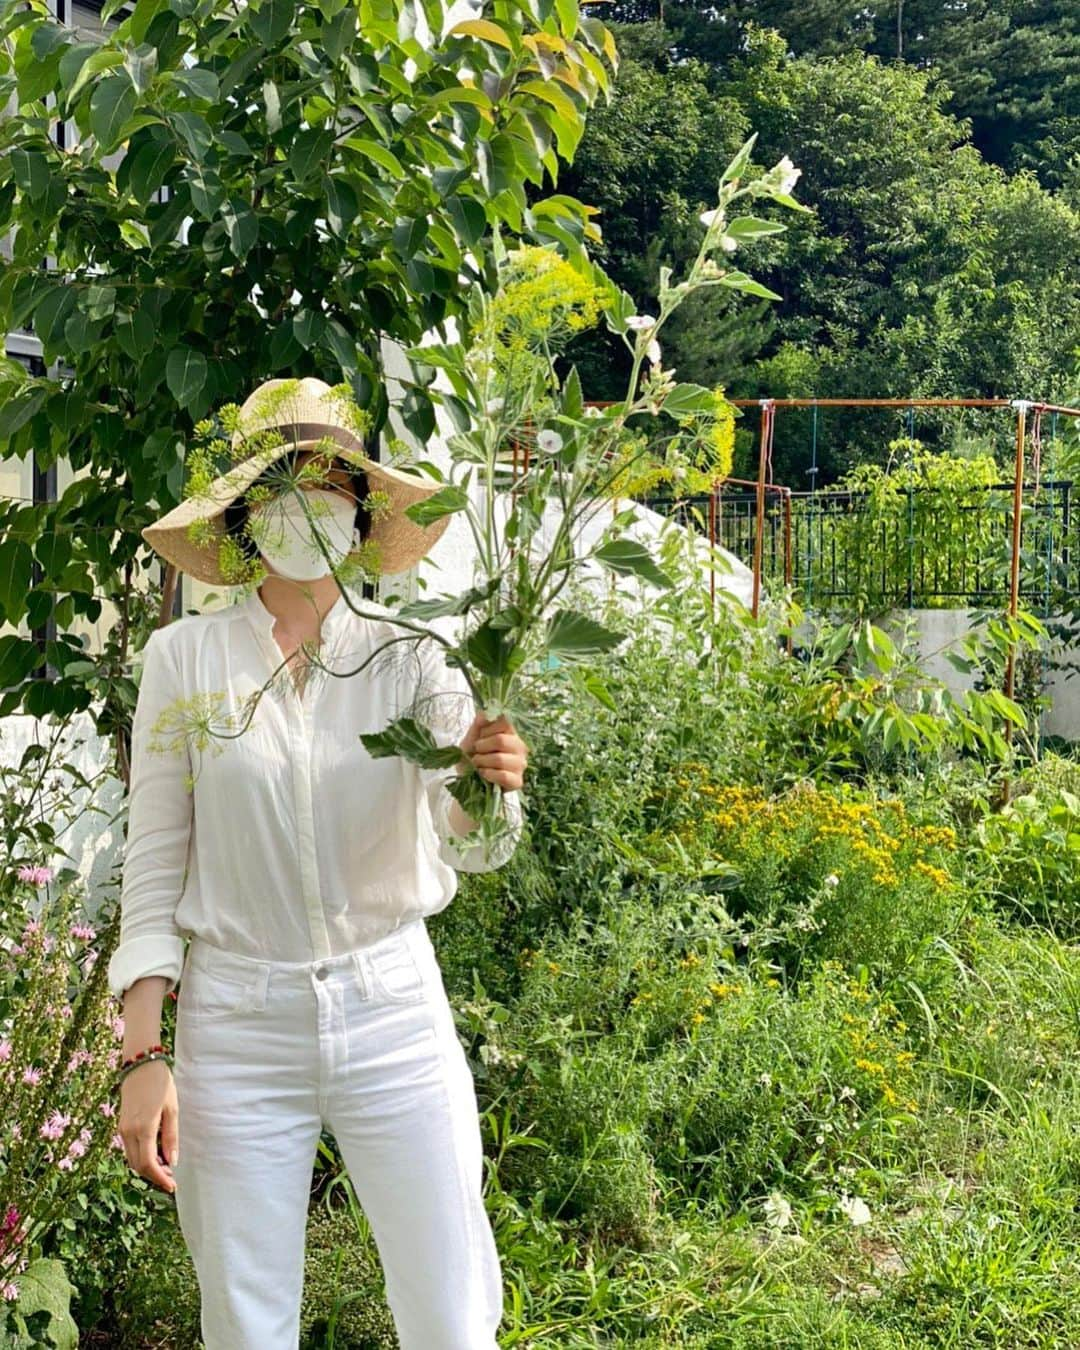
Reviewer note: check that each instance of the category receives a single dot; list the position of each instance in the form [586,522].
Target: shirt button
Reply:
[320,973]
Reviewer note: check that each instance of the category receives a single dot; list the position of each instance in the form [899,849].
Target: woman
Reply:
[302,870]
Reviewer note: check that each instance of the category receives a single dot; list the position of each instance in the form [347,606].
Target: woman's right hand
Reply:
[147,1105]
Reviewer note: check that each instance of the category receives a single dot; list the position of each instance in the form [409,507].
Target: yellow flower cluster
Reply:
[542,298]
[878,833]
[724,990]
[872,1035]
[937,875]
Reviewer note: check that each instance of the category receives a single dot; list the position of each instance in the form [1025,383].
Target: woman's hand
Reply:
[147,1106]
[496,751]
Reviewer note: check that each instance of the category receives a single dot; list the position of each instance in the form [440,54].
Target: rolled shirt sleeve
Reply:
[158,832]
[445,705]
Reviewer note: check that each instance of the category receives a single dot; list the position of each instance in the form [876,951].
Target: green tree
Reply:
[252,190]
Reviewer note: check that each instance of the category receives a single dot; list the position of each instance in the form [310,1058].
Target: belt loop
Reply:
[362,981]
[258,995]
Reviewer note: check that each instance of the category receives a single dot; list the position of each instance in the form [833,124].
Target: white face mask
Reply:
[289,542]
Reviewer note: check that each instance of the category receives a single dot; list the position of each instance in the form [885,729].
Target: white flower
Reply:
[709,268]
[679,472]
[728,244]
[764,1080]
[592,411]
[708,217]
[856,1210]
[846,1093]
[641,323]
[496,405]
[778,1213]
[550,442]
[782,177]
[652,352]
[832,880]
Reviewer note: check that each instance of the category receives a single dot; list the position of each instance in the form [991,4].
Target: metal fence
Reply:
[920,549]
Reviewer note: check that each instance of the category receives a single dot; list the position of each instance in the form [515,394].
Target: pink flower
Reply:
[9,1291]
[5,1049]
[65,1164]
[36,876]
[117,1141]
[107,1109]
[84,931]
[77,1148]
[118,1027]
[32,1076]
[66,1010]
[16,1131]
[55,1126]
[11,1218]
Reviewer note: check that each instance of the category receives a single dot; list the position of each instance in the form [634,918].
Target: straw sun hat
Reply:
[304,411]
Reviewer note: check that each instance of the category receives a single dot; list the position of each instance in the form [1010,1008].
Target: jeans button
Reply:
[320,973]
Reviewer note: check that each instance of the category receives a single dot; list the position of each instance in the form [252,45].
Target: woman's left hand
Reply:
[496,751]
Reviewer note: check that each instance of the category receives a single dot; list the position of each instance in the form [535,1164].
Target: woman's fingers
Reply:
[149,1165]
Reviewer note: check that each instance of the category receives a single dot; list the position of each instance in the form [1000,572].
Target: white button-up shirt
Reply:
[286,840]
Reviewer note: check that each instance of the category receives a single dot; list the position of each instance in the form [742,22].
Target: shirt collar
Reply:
[263,620]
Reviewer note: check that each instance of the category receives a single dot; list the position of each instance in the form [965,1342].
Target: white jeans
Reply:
[267,1053]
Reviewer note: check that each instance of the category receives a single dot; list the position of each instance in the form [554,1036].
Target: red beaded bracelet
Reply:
[141,1054]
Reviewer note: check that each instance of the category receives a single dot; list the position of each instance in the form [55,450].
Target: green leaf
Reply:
[442,605]
[51,314]
[687,399]
[492,651]
[309,325]
[71,63]
[469,217]
[309,151]
[148,169]
[573,399]
[751,227]
[740,281]
[409,234]
[16,567]
[242,225]
[630,557]
[379,154]
[17,411]
[185,374]
[341,205]
[111,104]
[140,62]
[284,348]
[199,82]
[134,334]
[445,502]
[44,1288]
[194,131]
[571,635]
[272,20]
[31,171]
[741,161]
[19,657]
[595,686]
[412,741]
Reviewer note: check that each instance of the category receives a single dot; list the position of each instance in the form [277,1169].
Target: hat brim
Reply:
[400,542]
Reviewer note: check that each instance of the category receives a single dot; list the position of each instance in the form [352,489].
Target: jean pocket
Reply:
[214,994]
[398,976]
